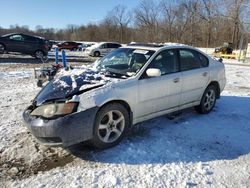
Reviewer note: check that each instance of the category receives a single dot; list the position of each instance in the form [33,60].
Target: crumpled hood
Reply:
[70,83]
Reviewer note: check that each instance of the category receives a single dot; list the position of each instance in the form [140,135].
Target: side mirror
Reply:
[152,72]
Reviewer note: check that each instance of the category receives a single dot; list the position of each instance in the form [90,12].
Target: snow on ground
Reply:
[51,54]
[191,150]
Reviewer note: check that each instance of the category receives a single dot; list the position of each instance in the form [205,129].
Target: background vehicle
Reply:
[129,85]
[102,48]
[25,44]
[73,46]
[83,46]
[227,48]
[50,43]
[225,51]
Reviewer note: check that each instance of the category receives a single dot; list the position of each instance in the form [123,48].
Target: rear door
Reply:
[104,49]
[31,44]
[156,94]
[195,74]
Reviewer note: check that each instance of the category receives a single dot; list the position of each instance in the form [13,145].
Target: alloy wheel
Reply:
[209,99]
[39,54]
[111,126]
[1,48]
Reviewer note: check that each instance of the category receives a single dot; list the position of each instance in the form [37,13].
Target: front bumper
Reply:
[65,131]
[89,52]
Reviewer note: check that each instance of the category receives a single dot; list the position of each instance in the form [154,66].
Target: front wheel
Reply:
[208,100]
[2,48]
[97,54]
[111,124]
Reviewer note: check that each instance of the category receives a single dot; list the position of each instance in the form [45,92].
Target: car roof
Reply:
[108,42]
[22,34]
[156,47]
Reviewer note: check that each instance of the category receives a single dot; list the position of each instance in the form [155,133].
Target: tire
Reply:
[2,48]
[39,54]
[208,100]
[97,54]
[111,124]
[39,83]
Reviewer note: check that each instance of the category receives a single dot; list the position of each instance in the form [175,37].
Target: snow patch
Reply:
[15,74]
[192,150]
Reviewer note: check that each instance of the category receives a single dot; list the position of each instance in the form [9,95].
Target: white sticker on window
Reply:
[141,51]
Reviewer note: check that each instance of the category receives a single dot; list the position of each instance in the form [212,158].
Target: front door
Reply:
[16,43]
[156,94]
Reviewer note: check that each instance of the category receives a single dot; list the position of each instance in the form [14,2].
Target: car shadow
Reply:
[222,134]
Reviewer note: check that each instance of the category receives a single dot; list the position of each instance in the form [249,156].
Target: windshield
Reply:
[6,35]
[124,61]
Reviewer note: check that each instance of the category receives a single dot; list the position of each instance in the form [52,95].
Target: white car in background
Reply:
[84,46]
[101,49]
[129,85]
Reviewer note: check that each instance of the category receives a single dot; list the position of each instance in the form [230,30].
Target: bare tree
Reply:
[121,18]
[169,17]
[236,11]
[109,29]
[208,11]
[146,19]
[197,22]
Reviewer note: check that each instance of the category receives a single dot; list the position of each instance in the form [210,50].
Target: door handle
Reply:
[176,80]
[204,74]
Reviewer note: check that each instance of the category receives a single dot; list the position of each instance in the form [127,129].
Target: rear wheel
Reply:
[208,100]
[110,126]
[2,48]
[39,54]
[97,54]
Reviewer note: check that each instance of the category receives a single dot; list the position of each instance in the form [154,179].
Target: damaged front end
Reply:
[64,130]
[54,117]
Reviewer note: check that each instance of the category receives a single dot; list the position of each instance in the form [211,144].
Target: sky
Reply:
[57,13]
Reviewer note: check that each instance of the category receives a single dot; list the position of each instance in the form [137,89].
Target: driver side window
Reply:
[166,61]
[103,46]
[17,37]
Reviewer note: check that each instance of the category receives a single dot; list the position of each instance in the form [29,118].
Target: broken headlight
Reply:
[55,109]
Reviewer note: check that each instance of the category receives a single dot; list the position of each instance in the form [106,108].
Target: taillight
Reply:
[220,60]
[46,46]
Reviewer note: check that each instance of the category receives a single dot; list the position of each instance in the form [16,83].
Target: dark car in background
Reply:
[25,44]
[73,46]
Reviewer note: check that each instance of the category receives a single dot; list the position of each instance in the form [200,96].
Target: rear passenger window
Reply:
[109,45]
[191,59]
[30,39]
[116,45]
[203,59]
[113,45]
